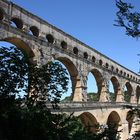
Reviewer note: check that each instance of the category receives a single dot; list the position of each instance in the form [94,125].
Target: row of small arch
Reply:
[35,31]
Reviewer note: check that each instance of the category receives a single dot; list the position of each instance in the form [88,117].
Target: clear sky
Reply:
[90,21]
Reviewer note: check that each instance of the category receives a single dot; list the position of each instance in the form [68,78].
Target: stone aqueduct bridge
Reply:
[42,42]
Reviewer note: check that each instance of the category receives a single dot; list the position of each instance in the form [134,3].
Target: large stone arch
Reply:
[22,45]
[99,80]
[75,79]
[90,122]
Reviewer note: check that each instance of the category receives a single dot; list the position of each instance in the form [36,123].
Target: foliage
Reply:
[28,113]
[30,117]
[92,96]
[127,96]
[128,19]
[67,99]
[112,96]
[37,123]
[13,71]
[47,82]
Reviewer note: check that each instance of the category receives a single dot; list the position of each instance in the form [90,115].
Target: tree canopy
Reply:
[13,71]
[29,117]
[128,18]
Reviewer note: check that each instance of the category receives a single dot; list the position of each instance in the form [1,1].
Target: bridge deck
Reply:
[82,106]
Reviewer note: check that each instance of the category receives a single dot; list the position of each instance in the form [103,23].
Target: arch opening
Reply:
[124,73]
[34,31]
[75,50]
[138,94]
[107,65]
[85,55]
[127,92]
[113,88]
[50,38]
[130,117]
[117,70]
[92,88]
[113,123]
[93,59]
[94,85]
[90,122]
[1,14]
[64,45]
[16,22]
[111,91]
[121,72]
[73,73]
[100,62]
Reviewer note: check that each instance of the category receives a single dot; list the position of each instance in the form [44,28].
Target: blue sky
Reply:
[90,21]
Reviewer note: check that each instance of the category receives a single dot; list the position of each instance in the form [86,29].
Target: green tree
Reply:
[128,18]
[30,117]
[30,113]
[13,71]
[47,83]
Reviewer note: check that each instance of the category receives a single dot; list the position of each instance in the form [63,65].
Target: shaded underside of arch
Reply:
[89,122]
[129,87]
[24,47]
[130,118]
[18,22]
[128,93]
[113,120]
[138,93]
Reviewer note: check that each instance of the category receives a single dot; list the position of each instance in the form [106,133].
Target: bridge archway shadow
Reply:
[130,117]
[113,123]
[127,92]
[90,122]
[138,94]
